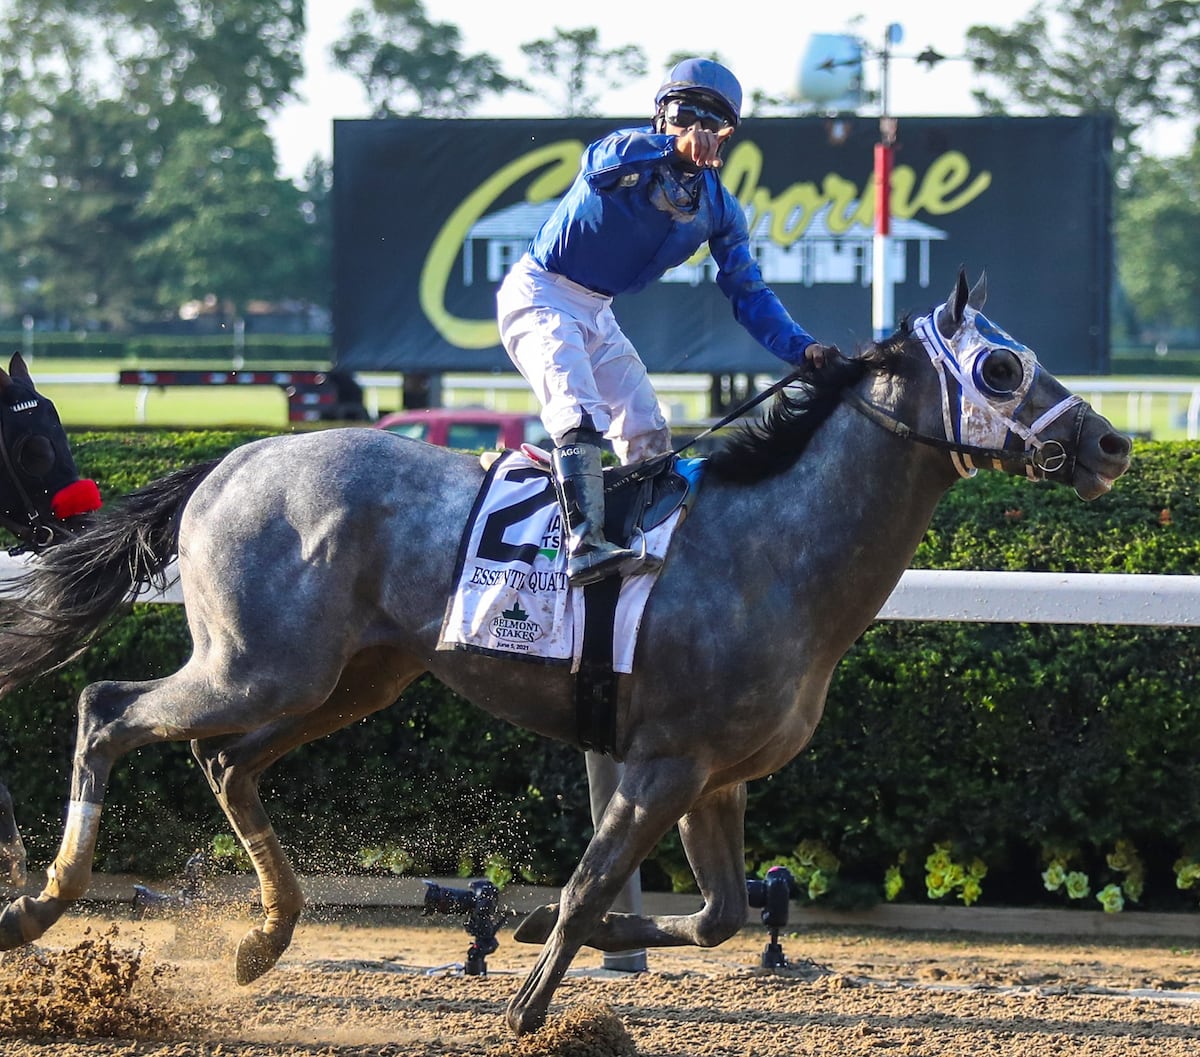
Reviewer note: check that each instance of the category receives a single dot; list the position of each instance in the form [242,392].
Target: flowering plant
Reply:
[943,875]
[1187,872]
[1059,876]
[893,878]
[812,865]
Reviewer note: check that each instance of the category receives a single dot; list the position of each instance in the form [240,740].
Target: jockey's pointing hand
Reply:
[701,147]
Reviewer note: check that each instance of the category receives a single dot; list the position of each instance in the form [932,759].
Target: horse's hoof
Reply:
[537,925]
[26,918]
[255,955]
[523,1020]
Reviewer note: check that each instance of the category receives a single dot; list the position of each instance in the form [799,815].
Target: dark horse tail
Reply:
[75,589]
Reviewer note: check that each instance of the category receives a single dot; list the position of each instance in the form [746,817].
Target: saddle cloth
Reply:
[511,596]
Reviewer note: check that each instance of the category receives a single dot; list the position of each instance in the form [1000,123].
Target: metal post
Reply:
[604,775]
[883,308]
[239,343]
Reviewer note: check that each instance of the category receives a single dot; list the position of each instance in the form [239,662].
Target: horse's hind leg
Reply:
[200,700]
[114,719]
[373,680]
[713,838]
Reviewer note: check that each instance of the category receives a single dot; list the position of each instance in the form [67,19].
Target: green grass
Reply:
[112,405]
[1163,416]
[82,406]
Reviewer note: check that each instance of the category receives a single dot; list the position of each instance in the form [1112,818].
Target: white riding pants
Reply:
[565,341]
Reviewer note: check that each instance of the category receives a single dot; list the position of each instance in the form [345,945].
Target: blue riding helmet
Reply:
[707,80]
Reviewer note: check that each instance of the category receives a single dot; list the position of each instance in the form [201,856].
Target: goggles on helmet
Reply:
[684,114]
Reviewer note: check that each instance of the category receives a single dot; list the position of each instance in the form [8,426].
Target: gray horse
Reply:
[315,568]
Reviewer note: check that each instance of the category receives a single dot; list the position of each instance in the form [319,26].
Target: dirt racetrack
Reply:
[359,983]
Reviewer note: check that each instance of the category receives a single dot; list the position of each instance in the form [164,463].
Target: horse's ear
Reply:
[18,369]
[951,316]
[978,294]
[5,381]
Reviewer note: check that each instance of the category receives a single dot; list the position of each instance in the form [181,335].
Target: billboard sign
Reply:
[429,215]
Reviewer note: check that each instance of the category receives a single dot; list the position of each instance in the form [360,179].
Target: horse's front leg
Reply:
[12,848]
[649,800]
[713,834]
[233,768]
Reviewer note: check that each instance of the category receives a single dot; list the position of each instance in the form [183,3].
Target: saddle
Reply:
[638,500]
[642,496]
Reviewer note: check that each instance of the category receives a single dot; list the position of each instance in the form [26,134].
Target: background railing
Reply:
[961,596]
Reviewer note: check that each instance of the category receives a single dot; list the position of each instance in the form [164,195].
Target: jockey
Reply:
[644,201]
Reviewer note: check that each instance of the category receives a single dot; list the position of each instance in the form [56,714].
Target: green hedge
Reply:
[999,742]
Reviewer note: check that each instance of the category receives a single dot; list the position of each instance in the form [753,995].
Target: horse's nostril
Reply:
[1116,444]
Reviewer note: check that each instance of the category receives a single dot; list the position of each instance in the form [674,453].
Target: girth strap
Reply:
[596,682]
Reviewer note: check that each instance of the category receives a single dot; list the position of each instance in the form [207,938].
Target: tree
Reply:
[312,278]
[226,58]
[1134,59]
[1157,229]
[94,93]
[227,226]
[575,60]
[410,65]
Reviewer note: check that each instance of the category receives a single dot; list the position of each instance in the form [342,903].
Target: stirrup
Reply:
[620,561]
[598,564]
[644,562]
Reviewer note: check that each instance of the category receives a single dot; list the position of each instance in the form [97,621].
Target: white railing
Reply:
[1045,598]
[1136,599]
[1138,399]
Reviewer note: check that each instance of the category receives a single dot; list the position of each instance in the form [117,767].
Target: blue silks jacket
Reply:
[629,216]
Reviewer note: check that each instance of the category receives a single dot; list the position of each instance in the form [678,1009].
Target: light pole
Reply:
[823,80]
[883,293]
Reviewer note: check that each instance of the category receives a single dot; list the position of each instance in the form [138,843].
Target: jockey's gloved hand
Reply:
[817,355]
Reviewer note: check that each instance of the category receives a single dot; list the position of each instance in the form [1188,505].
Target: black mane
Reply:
[772,444]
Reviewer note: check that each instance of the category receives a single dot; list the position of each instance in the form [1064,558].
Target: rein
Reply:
[746,405]
[653,465]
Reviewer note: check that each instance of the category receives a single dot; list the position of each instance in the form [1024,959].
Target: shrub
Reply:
[995,740]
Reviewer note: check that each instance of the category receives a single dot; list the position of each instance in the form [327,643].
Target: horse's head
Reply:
[1000,407]
[40,489]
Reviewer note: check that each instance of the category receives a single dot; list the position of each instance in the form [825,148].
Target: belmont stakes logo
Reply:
[514,624]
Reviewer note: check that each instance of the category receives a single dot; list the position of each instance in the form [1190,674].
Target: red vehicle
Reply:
[467,428]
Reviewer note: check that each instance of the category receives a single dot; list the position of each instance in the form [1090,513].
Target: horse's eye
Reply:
[34,455]
[1000,372]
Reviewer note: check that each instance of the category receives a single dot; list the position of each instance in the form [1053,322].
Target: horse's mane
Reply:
[768,446]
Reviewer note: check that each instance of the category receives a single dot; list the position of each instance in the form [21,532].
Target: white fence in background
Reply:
[1136,599]
[1138,397]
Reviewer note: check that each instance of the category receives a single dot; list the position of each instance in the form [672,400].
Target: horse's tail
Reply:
[50,614]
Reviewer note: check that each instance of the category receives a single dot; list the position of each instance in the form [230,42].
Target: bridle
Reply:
[1040,457]
[40,529]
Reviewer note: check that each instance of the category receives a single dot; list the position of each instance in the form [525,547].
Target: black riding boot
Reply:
[580,481]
